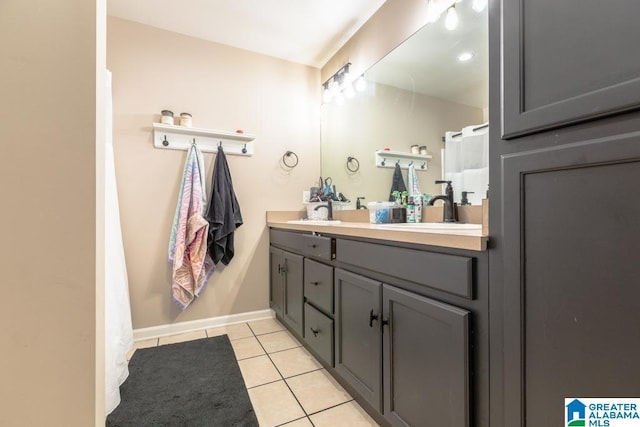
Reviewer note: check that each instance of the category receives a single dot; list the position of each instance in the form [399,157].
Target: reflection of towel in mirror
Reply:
[397,184]
[412,181]
[188,243]
[224,212]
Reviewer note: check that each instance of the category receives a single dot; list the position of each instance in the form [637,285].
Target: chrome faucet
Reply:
[448,211]
[329,209]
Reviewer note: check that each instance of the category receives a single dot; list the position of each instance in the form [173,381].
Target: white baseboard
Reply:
[196,325]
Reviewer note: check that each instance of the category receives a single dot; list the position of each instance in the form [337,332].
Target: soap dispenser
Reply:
[360,205]
[464,201]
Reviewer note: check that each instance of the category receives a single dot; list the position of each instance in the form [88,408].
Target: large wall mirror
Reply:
[418,93]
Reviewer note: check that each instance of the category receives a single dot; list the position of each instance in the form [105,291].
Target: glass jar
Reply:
[166,117]
[185,119]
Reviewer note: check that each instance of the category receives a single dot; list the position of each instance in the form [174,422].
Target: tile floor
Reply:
[286,384]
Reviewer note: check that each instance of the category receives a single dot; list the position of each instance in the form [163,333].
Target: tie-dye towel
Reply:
[192,266]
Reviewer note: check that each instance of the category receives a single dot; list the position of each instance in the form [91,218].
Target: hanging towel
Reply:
[412,181]
[224,212]
[192,266]
[397,184]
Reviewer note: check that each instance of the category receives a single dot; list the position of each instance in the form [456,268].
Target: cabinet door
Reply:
[358,346]
[276,282]
[426,361]
[293,299]
[571,274]
[567,61]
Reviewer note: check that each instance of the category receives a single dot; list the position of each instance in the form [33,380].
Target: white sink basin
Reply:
[426,226]
[314,222]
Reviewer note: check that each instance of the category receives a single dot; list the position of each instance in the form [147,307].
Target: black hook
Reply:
[165,142]
[244,149]
[411,162]
[219,143]
[423,165]
[194,142]
[383,162]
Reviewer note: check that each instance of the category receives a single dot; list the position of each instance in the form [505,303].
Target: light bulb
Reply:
[451,21]
[479,5]
[335,87]
[326,95]
[465,56]
[361,84]
[348,90]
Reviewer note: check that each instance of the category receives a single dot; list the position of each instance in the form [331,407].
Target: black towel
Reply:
[397,184]
[224,212]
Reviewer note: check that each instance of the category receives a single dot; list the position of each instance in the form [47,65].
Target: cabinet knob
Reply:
[313,246]
[315,331]
[315,283]
[385,322]
[372,317]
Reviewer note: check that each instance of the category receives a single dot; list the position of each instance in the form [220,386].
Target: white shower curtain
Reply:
[466,162]
[118,328]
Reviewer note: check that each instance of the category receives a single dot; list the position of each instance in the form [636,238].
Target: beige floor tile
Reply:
[346,415]
[247,347]
[258,370]
[317,390]
[274,404]
[302,422]
[295,361]
[241,330]
[265,326]
[278,341]
[189,336]
[141,344]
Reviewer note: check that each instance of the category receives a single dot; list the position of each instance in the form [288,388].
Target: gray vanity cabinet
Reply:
[358,346]
[318,309]
[416,346]
[286,290]
[426,361]
[565,166]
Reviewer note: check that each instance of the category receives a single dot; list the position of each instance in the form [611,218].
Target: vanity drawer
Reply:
[449,273]
[318,285]
[318,333]
[305,244]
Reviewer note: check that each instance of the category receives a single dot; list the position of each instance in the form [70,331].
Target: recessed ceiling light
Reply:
[465,56]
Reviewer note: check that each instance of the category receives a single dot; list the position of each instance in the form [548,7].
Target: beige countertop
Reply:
[458,239]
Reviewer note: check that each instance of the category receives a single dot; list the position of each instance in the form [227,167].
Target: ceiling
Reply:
[303,31]
[427,62]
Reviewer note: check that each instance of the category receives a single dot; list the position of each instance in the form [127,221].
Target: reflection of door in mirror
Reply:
[414,95]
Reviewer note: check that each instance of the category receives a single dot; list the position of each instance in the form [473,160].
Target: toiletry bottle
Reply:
[411,210]
[417,202]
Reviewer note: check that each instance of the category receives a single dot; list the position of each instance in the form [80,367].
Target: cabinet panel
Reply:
[571,275]
[449,273]
[426,361]
[358,344]
[319,333]
[566,61]
[276,283]
[305,244]
[318,285]
[292,313]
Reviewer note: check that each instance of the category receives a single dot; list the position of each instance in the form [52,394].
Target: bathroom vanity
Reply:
[399,318]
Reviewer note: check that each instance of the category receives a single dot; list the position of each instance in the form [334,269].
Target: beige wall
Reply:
[387,117]
[48,322]
[225,89]
[392,24]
